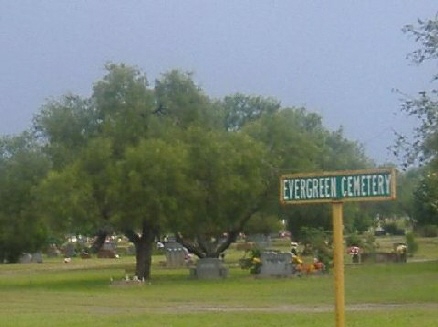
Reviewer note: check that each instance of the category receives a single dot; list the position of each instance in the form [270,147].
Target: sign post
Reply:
[338,260]
[336,188]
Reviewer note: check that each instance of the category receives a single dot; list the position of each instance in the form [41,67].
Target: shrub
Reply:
[370,244]
[393,229]
[411,243]
[428,231]
[354,240]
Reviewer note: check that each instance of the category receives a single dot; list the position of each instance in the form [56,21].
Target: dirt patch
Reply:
[196,308]
[306,308]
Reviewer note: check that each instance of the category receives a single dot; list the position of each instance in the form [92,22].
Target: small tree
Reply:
[370,242]
[411,243]
[317,243]
[354,239]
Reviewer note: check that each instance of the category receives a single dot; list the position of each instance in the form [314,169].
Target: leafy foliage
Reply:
[22,166]
[425,201]
[150,160]
[423,148]
[411,243]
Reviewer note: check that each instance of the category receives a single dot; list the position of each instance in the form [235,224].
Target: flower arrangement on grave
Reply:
[251,260]
[256,262]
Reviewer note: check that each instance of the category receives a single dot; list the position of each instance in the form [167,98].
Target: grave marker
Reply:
[25,258]
[175,254]
[209,268]
[276,264]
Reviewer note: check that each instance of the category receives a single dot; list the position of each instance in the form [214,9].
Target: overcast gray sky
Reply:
[339,58]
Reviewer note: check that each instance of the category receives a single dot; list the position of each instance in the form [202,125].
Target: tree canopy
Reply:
[422,149]
[22,167]
[146,160]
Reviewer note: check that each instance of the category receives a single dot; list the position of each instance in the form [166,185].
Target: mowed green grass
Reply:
[80,294]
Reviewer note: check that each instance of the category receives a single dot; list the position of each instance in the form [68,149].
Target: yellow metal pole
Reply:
[338,241]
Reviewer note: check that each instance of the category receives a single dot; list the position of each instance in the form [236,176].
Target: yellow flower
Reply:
[296,259]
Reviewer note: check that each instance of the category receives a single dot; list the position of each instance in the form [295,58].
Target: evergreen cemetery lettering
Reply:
[359,185]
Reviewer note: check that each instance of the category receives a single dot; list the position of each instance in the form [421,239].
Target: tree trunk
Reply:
[200,247]
[99,240]
[144,244]
[143,256]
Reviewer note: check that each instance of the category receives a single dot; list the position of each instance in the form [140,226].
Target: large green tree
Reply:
[134,194]
[229,174]
[114,165]
[149,189]
[422,148]
[22,167]
[148,160]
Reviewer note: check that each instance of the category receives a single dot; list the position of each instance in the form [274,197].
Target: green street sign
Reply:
[352,185]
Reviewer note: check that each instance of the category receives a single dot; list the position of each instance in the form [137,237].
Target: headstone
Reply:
[276,264]
[110,246]
[25,258]
[379,257]
[108,250]
[262,241]
[176,255]
[130,250]
[209,268]
[37,257]
[379,231]
[53,251]
[69,250]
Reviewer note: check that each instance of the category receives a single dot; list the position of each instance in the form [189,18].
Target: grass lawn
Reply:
[80,294]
